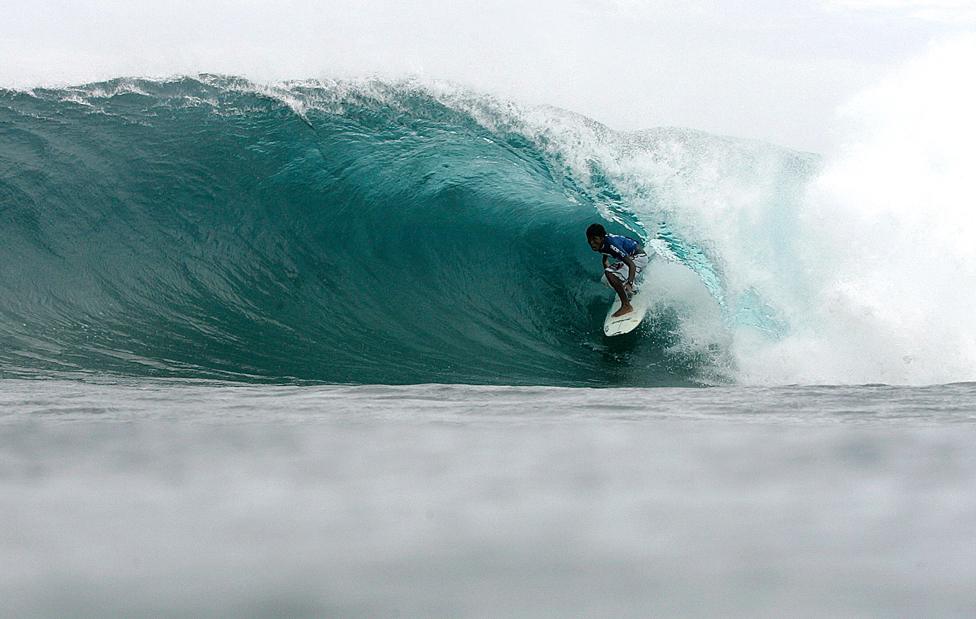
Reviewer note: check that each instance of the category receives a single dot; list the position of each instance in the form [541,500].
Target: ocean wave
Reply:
[363,232]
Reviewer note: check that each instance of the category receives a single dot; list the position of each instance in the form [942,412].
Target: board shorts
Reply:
[621,271]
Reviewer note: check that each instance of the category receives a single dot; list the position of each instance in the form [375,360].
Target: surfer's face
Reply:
[596,242]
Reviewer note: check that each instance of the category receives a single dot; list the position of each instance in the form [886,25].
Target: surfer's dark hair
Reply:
[595,230]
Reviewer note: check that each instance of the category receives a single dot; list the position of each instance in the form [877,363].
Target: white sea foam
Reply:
[883,286]
[873,266]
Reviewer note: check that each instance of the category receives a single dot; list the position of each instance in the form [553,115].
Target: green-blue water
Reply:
[327,232]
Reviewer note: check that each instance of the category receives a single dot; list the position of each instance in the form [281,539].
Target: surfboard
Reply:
[628,322]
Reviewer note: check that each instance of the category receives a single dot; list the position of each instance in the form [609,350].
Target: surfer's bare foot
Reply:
[624,309]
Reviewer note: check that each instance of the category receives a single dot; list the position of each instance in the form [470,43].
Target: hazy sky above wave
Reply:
[764,69]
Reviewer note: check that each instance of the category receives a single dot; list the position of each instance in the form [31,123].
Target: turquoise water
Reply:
[373,232]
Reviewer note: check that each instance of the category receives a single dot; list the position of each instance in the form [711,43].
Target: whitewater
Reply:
[333,347]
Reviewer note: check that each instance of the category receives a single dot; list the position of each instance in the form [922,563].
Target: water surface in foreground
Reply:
[158,498]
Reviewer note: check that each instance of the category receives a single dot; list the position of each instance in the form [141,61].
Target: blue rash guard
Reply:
[620,246]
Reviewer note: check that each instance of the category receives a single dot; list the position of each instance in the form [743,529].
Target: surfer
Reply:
[629,252]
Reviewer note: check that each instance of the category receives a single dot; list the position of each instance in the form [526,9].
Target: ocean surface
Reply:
[329,348]
[148,497]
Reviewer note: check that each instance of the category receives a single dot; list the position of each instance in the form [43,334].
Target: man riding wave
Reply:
[630,254]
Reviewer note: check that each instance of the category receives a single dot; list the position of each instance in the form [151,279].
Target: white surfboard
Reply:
[629,321]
